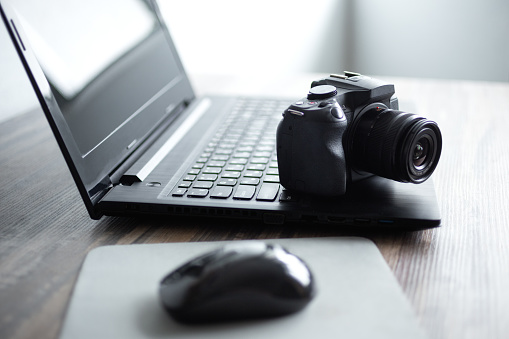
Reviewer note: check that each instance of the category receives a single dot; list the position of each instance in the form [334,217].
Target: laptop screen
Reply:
[107,74]
[102,60]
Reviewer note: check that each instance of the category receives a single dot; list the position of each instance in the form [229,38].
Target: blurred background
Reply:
[447,39]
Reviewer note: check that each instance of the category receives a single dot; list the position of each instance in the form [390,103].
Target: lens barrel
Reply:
[394,144]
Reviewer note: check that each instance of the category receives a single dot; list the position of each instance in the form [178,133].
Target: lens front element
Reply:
[420,152]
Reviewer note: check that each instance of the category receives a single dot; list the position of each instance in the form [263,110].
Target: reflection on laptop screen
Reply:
[97,56]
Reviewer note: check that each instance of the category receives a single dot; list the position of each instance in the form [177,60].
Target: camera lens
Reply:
[394,144]
[420,154]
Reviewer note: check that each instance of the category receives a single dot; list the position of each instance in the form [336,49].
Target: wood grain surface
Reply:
[455,276]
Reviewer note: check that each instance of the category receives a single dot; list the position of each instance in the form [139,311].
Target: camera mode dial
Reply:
[322,92]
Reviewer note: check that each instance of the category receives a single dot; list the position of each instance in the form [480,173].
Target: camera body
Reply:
[348,128]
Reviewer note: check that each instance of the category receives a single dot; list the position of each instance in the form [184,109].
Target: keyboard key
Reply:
[262,148]
[221,192]
[194,171]
[198,165]
[271,178]
[262,154]
[212,170]
[247,143]
[189,177]
[185,184]
[259,160]
[179,192]
[273,171]
[241,155]
[244,192]
[239,161]
[227,145]
[253,174]
[216,164]
[237,168]
[245,149]
[250,181]
[198,193]
[231,175]
[268,192]
[219,157]
[227,182]
[256,167]
[208,177]
[224,151]
[203,184]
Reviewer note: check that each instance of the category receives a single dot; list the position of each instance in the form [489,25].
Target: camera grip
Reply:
[311,158]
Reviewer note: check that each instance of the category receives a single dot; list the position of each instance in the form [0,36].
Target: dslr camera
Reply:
[348,128]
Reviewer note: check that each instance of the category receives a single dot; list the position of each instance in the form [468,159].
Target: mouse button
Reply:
[249,274]
[174,293]
[194,267]
[296,268]
[245,248]
[235,253]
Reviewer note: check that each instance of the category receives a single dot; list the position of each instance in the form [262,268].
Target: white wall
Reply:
[231,36]
[458,39]
[455,39]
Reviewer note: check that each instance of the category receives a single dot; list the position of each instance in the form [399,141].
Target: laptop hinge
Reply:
[117,175]
[99,190]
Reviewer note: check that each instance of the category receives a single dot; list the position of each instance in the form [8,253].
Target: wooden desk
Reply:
[456,276]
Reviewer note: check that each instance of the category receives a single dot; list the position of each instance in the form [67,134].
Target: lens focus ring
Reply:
[384,143]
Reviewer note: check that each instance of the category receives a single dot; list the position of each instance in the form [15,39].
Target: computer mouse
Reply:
[240,281]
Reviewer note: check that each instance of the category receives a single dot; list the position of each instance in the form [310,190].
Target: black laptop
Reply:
[138,142]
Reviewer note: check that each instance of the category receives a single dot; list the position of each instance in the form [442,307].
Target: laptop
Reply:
[138,141]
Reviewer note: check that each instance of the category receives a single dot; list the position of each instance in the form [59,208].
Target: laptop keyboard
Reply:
[240,161]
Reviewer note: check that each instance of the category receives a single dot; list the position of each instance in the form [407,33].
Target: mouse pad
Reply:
[116,295]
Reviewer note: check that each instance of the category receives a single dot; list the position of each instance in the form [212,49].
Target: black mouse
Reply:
[239,281]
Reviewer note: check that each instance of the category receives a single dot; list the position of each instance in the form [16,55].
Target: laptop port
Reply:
[385,221]
[337,220]
[274,218]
